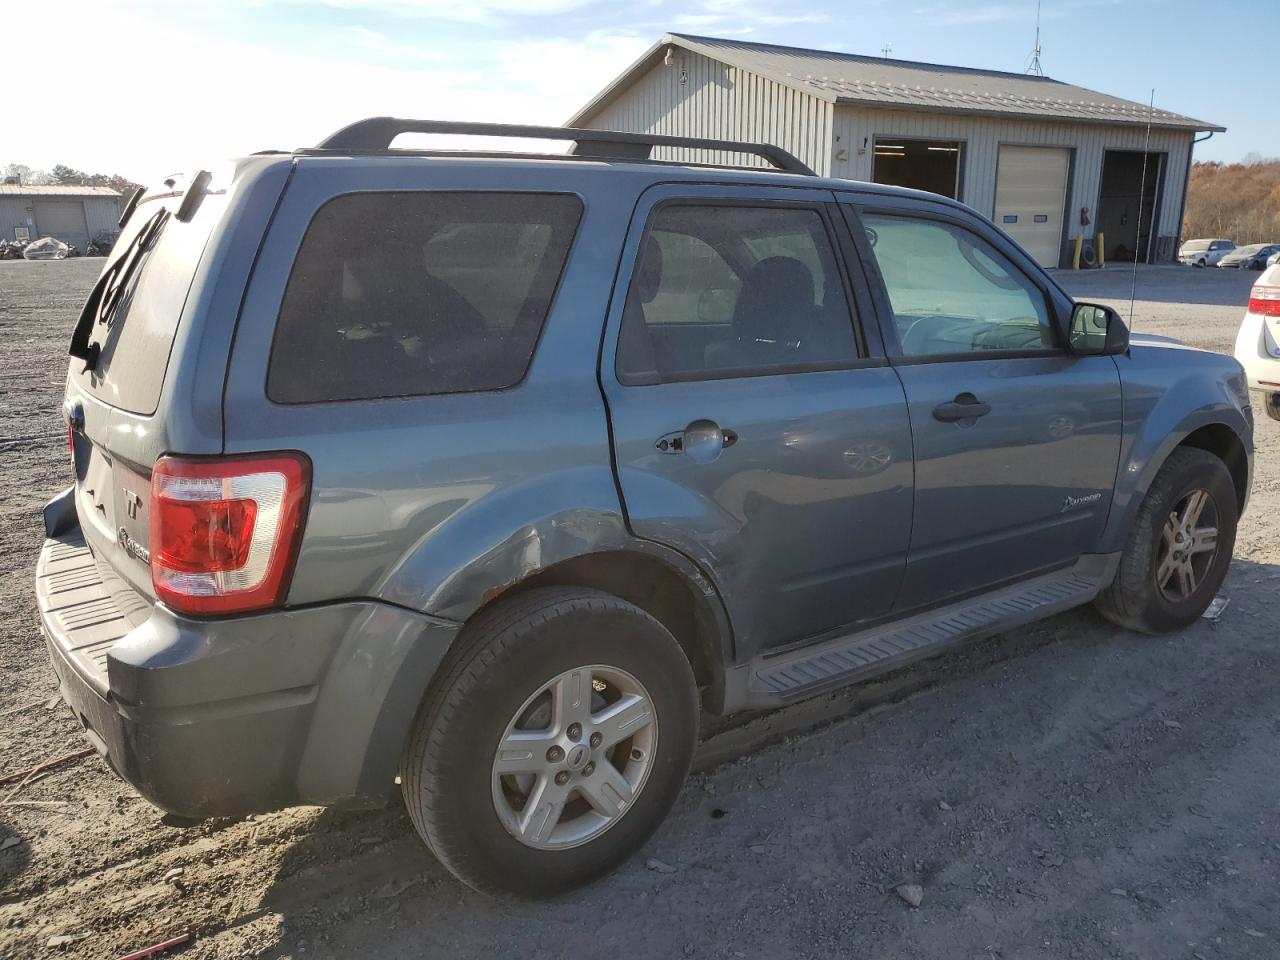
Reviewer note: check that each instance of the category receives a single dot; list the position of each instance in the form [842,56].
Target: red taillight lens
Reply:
[205,536]
[1265,300]
[224,533]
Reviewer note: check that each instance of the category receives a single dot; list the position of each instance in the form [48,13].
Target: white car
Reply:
[1258,343]
[1204,253]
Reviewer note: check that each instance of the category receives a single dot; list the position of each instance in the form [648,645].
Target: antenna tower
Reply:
[1033,66]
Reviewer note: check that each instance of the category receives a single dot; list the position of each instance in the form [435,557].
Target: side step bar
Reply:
[771,681]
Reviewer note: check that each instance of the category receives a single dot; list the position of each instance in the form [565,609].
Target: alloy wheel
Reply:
[1188,545]
[575,757]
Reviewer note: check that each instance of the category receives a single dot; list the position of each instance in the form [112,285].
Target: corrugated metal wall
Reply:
[103,215]
[700,97]
[982,137]
[14,213]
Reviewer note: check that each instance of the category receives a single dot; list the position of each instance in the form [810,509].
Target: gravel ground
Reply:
[1068,790]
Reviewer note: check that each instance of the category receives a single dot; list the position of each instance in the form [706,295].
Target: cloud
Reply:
[741,16]
[487,12]
[204,98]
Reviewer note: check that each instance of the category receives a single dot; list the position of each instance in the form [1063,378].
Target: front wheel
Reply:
[555,742]
[1179,548]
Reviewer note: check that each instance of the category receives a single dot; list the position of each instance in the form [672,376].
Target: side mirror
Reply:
[1097,331]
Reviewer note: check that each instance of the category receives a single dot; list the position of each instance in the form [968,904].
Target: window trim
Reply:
[857,301]
[854,212]
[382,398]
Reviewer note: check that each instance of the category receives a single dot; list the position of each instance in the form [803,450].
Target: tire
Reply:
[1272,405]
[1135,599]
[489,682]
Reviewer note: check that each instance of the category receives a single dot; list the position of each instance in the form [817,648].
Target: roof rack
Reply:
[376,133]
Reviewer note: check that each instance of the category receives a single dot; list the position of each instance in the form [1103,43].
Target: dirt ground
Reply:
[1069,790]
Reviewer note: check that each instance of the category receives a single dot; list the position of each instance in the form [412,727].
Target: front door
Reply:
[1016,440]
[756,427]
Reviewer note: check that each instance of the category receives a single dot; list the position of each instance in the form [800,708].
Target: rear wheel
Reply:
[1179,548]
[554,744]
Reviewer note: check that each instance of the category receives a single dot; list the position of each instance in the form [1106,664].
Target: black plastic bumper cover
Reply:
[243,715]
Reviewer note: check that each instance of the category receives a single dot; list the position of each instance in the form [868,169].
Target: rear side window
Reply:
[737,290]
[408,294]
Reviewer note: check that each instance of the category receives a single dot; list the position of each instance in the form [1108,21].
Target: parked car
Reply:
[1251,257]
[1258,343]
[475,478]
[1204,253]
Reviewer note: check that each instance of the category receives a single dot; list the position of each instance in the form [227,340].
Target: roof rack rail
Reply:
[376,133]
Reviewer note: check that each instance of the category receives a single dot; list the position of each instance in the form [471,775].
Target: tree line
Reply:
[62,175]
[1234,201]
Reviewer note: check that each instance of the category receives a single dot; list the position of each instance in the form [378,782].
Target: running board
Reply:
[771,681]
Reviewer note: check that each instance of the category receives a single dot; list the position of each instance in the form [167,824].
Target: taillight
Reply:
[224,533]
[1265,300]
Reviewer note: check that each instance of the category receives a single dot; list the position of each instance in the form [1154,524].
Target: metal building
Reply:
[1046,160]
[74,215]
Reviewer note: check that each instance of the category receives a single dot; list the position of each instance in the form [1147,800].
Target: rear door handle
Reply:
[964,407]
[701,441]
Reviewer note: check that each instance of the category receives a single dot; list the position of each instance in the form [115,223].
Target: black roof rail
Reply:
[376,133]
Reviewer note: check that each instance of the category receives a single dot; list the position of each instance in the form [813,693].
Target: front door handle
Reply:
[701,441]
[964,407]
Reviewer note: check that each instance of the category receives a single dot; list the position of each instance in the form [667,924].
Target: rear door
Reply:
[1016,440]
[756,424]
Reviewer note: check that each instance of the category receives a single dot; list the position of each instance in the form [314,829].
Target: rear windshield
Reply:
[135,346]
[1195,246]
[406,294]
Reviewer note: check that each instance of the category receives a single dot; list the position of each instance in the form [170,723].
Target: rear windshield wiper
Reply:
[104,300]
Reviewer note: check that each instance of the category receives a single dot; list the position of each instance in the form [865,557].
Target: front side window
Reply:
[734,290]
[953,293]
[407,294]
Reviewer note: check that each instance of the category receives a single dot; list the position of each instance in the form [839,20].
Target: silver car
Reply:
[1204,253]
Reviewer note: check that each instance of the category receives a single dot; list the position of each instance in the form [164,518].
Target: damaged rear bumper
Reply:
[236,715]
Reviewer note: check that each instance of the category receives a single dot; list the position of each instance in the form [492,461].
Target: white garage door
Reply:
[63,219]
[1031,197]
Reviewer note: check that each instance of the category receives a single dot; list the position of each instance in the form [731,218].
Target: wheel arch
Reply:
[1220,429]
[673,592]
[1225,444]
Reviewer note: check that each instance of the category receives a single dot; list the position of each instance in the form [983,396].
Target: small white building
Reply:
[1045,160]
[74,215]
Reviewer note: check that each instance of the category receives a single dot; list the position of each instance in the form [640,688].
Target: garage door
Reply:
[63,219]
[1031,198]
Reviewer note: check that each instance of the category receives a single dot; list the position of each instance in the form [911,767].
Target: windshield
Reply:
[1251,248]
[1195,246]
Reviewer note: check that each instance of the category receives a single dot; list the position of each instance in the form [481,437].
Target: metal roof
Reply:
[848,78]
[57,191]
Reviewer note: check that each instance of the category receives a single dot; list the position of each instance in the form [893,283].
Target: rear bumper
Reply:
[240,715]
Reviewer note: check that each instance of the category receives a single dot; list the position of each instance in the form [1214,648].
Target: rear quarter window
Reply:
[414,293]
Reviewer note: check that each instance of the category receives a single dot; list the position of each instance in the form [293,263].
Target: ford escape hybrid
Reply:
[476,477]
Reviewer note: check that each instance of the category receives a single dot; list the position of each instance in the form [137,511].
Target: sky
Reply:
[146,88]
